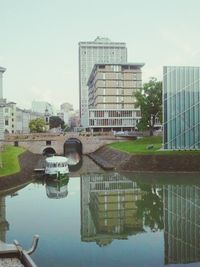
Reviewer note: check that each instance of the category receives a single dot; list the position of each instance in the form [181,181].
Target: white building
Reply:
[101,50]
[16,120]
[66,112]
[23,118]
[9,115]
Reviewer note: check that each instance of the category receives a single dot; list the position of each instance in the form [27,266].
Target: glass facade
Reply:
[181,103]
[182,223]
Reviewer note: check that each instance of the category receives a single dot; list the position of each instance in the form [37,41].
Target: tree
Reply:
[55,122]
[37,125]
[150,103]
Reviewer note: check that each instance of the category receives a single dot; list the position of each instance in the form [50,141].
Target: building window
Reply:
[48,142]
[6,122]
[6,110]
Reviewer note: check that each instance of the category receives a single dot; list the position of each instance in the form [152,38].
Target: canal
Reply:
[99,218]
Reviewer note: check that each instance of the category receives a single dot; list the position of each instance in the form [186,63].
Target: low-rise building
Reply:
[9,117]
[23,118]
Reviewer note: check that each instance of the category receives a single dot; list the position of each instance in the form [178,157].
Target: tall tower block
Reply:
[2,70]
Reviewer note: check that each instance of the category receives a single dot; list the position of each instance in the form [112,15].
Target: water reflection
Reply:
[75,161]
[108,208]
[113,207]
[150,206]
[4,225]
[181,223]
[57,189]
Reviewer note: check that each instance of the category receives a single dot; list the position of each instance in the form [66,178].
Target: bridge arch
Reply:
[48,151]
[73,145]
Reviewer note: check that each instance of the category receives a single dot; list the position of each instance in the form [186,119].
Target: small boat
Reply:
[15,255]
[56,167]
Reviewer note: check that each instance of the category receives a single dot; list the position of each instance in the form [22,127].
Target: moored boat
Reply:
[15,255]
[56,167]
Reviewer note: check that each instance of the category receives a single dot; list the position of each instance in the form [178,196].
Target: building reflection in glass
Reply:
[181,223]
[108,208]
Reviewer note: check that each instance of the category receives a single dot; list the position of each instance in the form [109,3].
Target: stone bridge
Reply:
[37,143]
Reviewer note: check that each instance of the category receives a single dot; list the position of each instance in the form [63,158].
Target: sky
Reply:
[39,41]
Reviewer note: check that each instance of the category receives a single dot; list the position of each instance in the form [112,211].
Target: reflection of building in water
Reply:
[4,226]
[108,207]
[182,223]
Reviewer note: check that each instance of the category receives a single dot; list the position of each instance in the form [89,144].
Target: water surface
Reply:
[107,219]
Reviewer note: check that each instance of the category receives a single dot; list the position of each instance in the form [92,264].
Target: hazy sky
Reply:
[39,41]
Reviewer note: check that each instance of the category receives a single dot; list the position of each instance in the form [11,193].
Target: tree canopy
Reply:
[37,125]
[150,103]
[55,122]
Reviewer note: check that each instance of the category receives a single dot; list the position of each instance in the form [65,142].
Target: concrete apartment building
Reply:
[101,50]
[181,103]
[111,96]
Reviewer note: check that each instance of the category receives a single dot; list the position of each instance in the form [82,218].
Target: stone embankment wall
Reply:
[120,161]
[28,162]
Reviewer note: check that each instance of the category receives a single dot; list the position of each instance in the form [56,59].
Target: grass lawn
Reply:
[140,146]
[9,159]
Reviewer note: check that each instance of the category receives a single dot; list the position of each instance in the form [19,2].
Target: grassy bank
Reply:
[9,159]
[148,146]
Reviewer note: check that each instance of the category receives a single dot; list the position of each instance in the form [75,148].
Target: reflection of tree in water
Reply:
[150,207]
[103,243]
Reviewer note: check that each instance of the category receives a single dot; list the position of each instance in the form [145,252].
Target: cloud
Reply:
[41,94]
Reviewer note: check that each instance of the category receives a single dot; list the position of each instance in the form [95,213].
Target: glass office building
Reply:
[181,106]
